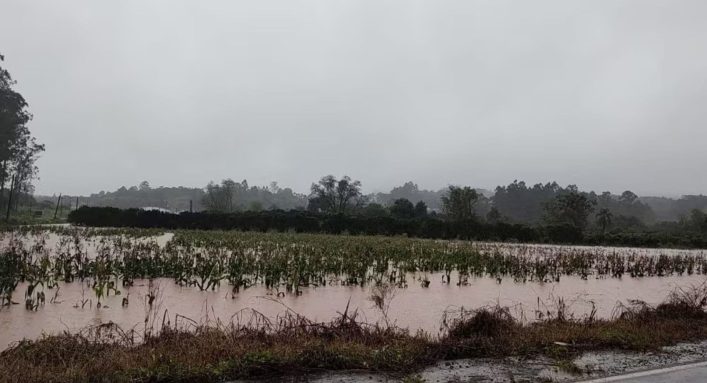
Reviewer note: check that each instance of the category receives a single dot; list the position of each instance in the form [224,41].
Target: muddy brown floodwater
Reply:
[72,306]
[413,307]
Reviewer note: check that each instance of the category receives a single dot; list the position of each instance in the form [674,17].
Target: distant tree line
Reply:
[542,213]
[175,199]
[230,196]
[675,209]
[302,221]
[515,203]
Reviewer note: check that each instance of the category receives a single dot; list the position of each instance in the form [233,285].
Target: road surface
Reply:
[687,373]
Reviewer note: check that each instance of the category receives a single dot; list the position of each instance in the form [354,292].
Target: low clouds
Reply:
[605,94]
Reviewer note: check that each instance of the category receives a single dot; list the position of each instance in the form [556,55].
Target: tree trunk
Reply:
[9,200]
[3,169]
[56,210]
[2,194]
[17,192]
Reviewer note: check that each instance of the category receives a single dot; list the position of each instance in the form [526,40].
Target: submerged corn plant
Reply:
[288,263]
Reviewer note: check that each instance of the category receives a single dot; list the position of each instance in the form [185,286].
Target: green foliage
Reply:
[378,222]
[336,196]
[144,195]
[571,209]
[626,208]
[374,210]
[494,216]
[672,210]
[402,208]
[459,203]
[604,219]
[520,203]
[230,196]
[413,193]
[420,209]
[18,149]
[698,220]
[289,262]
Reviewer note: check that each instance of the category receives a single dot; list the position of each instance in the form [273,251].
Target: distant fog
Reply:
[607,95]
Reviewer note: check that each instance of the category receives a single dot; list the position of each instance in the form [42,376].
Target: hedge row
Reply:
[303,222]
[425,227]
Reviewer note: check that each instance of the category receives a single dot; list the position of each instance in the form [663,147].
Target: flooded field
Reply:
[66,279]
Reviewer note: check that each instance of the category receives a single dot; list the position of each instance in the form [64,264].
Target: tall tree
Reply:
[336,196]
[520,203]
[625,208]
[215,198]
[420,209]
[571,208]
[698,220]
[413,193]
[458,203]
[232,196]
[402,208]
[18,149]
[494,216]
[604,218]
[628,197]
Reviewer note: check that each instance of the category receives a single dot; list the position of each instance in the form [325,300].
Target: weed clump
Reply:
[496,322]
[681,304]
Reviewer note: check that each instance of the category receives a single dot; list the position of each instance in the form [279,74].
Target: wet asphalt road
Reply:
[692,373]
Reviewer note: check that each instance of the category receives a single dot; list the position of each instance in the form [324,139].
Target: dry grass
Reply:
[257,347]
[637,326]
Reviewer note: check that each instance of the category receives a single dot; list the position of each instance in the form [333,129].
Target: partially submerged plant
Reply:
[382,296]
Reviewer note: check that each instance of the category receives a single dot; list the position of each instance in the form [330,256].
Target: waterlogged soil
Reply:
[73,306]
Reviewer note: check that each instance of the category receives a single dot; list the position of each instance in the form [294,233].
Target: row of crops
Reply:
[108,259]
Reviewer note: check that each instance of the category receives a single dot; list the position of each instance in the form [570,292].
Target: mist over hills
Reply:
[517,201]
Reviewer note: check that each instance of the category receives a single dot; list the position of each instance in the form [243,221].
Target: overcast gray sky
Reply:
[610,95]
